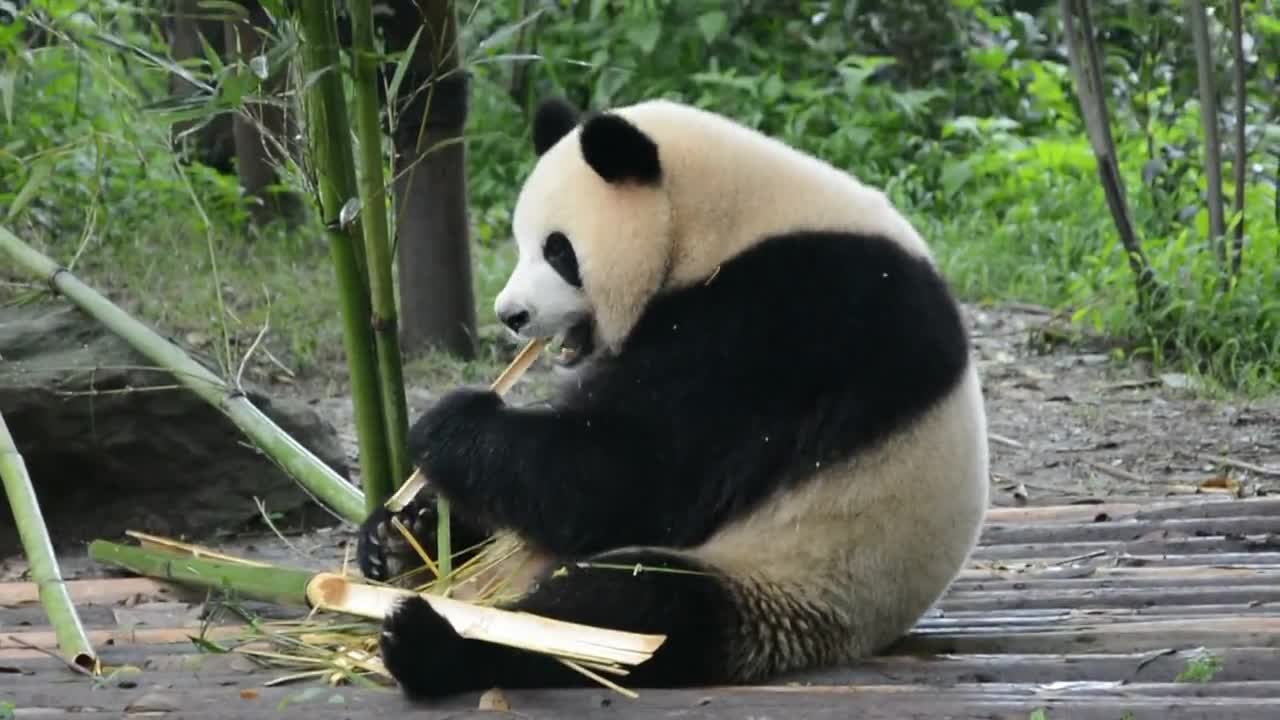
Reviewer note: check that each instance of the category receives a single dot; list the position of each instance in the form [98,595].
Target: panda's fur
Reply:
[773,391]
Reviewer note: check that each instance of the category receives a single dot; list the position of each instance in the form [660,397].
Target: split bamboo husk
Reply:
[73,644]
[317,477]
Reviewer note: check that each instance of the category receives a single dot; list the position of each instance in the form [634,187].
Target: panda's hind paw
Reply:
[423,652]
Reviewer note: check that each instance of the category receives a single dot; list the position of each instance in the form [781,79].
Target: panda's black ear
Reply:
[618,150]
[553,119]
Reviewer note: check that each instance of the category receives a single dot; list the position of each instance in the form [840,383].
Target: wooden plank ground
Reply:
[1148,608]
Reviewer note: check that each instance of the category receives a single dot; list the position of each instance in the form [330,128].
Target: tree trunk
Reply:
[253,150]
[213,143]
[437,301]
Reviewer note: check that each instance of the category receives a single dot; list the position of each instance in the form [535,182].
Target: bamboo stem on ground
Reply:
[373,220]
[287,586]
[317,477]
[330,146]
[72,641]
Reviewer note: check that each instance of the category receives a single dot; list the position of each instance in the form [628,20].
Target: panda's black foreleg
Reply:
[383,553]
[646,591]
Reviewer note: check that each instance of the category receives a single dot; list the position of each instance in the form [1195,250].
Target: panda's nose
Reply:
[514,319]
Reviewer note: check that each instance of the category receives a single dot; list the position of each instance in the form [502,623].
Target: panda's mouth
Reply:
[576,344]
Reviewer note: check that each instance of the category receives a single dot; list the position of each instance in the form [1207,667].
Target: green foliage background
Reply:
[963,110]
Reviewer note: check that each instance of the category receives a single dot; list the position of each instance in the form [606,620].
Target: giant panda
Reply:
[769,443]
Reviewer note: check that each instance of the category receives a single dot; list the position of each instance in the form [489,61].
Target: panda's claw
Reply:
[382,552]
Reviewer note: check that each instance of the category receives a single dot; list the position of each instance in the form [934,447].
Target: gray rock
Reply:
[114,443]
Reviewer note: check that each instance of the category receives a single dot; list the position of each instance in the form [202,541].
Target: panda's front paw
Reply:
[382,552]
[423,652]
[446,440]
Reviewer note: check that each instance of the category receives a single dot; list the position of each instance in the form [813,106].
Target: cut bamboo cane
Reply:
[72,641]
[509,377]
[330,146]
[317,477]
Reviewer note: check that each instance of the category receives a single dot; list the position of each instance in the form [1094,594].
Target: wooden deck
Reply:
[1149,608]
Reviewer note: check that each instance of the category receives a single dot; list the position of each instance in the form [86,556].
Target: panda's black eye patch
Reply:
[558,252]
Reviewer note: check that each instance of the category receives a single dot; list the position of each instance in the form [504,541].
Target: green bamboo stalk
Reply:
[317,477]
[330,142]
[374,221]
[287,586]
[72,640]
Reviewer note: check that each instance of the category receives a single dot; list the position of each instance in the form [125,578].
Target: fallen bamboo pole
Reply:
[317,477]
[71,639]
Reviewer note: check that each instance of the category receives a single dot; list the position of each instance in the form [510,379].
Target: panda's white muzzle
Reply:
[538,303]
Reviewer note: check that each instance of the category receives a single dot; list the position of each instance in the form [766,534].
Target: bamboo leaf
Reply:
[40,172]
[7,80]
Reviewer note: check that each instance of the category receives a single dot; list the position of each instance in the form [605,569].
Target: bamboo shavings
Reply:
[506,380]
[73,643]
[169,544]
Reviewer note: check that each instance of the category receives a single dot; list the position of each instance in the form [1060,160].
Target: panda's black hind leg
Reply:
[668,595]
[382,552]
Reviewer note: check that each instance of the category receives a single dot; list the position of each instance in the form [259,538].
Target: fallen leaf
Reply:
[1222,484]
[248,694]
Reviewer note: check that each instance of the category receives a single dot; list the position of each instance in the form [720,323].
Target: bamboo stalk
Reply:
[72,641]
[330,144]
[374,222]
[1240,166]
[317,477]
[1198,19]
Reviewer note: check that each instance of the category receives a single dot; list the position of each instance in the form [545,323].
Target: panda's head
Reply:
[593,230]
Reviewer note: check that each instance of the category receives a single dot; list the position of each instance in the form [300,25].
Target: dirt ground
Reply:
[1067,424]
